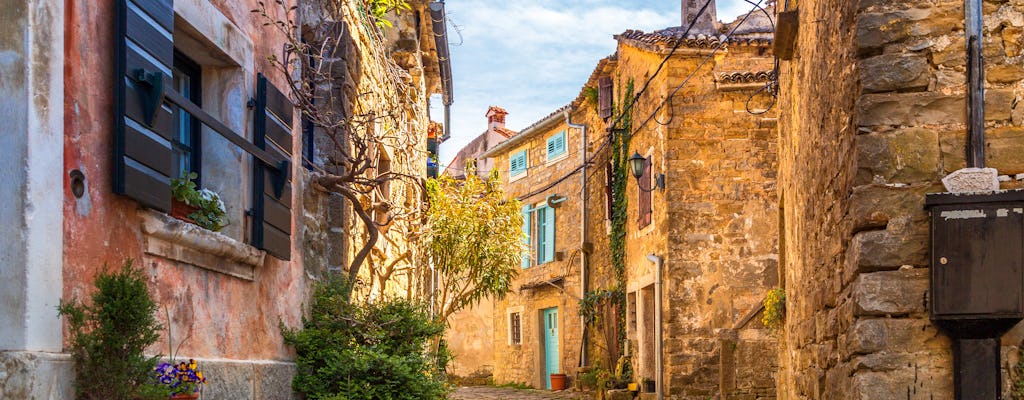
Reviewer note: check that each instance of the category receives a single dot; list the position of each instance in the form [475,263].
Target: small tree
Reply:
[475,241]
[108,338]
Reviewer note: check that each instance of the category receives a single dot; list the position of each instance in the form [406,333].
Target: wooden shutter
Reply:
[645,194]
[517,164]
[143,122]
[556,145]
[272,194]
[549,234]
[604,97]
[526,237]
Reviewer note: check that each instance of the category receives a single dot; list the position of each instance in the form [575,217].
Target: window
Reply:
[515,329]
[539,232]
[645,195]
[187,139]
[517,164]
[556,145]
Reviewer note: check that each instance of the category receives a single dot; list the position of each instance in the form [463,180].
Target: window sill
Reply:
[517,177]
[556,159]
[173,239]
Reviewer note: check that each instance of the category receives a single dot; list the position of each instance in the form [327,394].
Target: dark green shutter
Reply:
[272,197]
[143,121]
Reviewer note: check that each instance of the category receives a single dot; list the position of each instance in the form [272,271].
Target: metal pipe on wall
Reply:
[659,346]
[583,228]
[975,84]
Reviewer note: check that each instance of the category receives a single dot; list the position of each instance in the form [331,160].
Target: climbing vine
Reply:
[620,138]
[593,301]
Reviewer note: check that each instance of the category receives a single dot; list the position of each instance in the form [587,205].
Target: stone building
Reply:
[707,217]
[537,329]
[872,116]
[469,155]
[94,145]
[700,231]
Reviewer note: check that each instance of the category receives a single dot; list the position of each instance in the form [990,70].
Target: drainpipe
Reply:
[583,227]
[659,383]
[975,85]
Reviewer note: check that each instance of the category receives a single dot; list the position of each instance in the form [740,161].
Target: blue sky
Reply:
[533,56]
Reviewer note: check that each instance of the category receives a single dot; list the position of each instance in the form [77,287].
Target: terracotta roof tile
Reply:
[503,131]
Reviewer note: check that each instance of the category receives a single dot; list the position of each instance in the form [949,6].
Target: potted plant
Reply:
[183,379]
[202,207]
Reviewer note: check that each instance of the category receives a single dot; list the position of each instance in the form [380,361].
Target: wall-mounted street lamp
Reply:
[636,165]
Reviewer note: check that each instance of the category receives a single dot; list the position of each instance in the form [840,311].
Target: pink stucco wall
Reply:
[225,317]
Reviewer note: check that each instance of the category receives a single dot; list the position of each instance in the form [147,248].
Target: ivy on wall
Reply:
[621,135]
[615,296]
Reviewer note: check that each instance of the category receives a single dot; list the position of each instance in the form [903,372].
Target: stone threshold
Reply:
[173,239]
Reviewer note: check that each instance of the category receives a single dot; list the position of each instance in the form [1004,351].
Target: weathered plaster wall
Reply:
[523,363]
[471,339]
[31,93]
[224,317]
[873,116]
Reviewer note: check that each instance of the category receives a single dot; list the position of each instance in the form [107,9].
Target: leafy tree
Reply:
[475,241]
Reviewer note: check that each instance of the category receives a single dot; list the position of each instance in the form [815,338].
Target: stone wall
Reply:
[553,284]
[873,116]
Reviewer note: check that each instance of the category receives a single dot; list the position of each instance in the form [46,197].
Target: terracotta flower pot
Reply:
[557,381]
[185,396]
[181,210]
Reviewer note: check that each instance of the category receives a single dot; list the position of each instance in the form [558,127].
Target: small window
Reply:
[517,164]
[187,81]
[556,145]
[515,329]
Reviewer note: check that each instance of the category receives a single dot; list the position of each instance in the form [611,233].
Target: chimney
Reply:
[707,24]
[495,117]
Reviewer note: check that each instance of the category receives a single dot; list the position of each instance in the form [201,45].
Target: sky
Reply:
[531,57]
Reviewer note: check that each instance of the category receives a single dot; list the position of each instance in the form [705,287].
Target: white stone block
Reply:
[969,180]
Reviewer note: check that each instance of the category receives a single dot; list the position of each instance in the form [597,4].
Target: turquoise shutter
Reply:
[526,239]
[556,145]
[549,234]
[517,163]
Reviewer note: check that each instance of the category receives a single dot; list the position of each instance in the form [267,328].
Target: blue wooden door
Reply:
[551,366]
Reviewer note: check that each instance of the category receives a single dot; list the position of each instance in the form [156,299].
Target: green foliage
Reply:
[210,213]
[109,335]
[620,175]
[515,385]
[379,9]
[774,308]
[475,240]
[592,95]
[1018,382]
[592,302]
[366,351]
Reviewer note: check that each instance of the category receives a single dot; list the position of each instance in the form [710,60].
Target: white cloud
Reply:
[533,56]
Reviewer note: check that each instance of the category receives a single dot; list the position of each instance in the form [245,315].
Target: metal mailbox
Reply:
[977,256]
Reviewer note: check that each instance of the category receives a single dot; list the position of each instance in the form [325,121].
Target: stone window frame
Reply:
[510,333]
[208,37]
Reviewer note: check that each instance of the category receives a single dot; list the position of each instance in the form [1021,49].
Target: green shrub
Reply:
[109,335]
[367,351]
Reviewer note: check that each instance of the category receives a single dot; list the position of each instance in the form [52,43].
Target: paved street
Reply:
[493,393]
